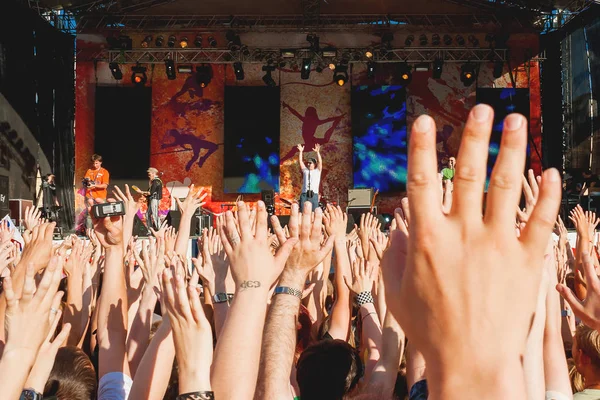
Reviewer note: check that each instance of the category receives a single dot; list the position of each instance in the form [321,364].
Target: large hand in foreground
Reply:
[461,272]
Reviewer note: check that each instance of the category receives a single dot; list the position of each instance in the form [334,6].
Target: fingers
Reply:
[279,233]
[306,221]
[261,221]
[569,296]
[540,224]
[293,222]
[61,337]
[504,191]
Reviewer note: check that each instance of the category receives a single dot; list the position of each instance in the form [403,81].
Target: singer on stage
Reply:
[311,177]
[154,195]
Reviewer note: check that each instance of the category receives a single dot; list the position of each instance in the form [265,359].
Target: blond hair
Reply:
[588,341]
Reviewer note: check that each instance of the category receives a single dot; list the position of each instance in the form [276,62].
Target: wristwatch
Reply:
[222,298]
[288,290]
[30,394]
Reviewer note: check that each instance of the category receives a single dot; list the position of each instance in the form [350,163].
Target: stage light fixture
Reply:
[204,74]
[245,50]
[319,68]
[447,39]
[468,74]
[115,70]
[138,75]
[409,39]
[305,71]
[170,69]
[331,66]
[281,63]
[268,78]
[435,39]
[172,40]
[238,69]
[288,53]
[212,41]
[184,69]
[404,73]
[369,52]
[473,40]
[490,38]
[146,42]
[460,40]
[371,70]
[438,65]
[183,42]
[314,42]
[233,41]
[198,41]
[423,39]
[341,75]
[329,52]
[160,39]
[498,68]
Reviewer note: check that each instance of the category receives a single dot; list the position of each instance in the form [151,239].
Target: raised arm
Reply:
[279,342]
[294,112]
[131,209]
[317,149]
[188,207]
[300,157]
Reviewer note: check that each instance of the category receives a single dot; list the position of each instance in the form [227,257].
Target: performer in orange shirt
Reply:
[96,179]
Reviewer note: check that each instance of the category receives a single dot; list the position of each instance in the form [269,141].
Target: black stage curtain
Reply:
[37,77]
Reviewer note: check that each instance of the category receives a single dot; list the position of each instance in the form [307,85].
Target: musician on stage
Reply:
[448,172]
[96,180]
[50,202]
[311,177]
[154,195]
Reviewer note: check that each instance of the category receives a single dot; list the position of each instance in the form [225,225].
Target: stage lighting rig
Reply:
[473,40]
[409,39]
[438,65]
[369,52]
[405,74]
[234,43]
[146,42]
[183,42]
[423,39]
[268,78]
[305,71]
[160,39]
[370,70]
[115,70]
[170,69]
[212,41]
[468,74]
[172,40]
[138,75]
[460,40]
[447,39]
[341,75]
[204,74]
[238,69]
[198,41]
[314,42]
[435,40]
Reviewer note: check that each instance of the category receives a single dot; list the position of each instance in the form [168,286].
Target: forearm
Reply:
[235,367]
[342,308]
[556,372]
[183,235]
[220,311]
[74,312]
[386,371]
[279,342]
[371,337]
[15,366]
[128,220]
[154,371]
[137,340]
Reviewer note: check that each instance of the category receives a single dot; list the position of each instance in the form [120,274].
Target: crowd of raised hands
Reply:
[452,302]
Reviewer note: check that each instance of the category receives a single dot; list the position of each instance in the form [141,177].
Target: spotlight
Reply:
[305,71]
[314,42]
[170,69]
[183,42]
[473,40]
[490,38]
[437,68]
[331,66]
[115,70]
[204,75]
[238,70]
[172,40]
[405,74]
[341,75]
[184,69]
[435,39]
[498,68]
[423,39]
[370,70]
[468,74]
[409,39]
[245,50]
[212,41]
[268,78]
[138,75]
[233,41]
[125,42]
[460,40]
[447,39]
[281,63]
[319,68]
[146,42]
[198,41]
[159,41]
[369,53]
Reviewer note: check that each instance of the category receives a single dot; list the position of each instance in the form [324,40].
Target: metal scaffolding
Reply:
[272,56]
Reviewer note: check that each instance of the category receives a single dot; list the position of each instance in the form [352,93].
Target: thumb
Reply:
[574,302]
[285,250]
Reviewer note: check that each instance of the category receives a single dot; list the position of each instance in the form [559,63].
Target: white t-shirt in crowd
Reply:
[313,183]
[114,386]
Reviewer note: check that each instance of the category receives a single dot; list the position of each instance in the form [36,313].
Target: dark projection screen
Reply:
[123,117]
[251,139]
[379,135]
[504,101]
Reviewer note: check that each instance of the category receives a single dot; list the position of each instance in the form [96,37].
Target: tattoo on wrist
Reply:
[249,285]
[197,396]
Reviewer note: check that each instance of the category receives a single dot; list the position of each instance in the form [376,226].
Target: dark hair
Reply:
[96,157]
[329,369]
[313,160]
[303,331]
[72,376]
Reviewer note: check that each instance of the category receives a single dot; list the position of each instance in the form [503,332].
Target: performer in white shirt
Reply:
[311,177]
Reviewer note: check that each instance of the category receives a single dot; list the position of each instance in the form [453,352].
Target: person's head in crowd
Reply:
[96,161]
[49,178]
[586,352]
[311,163]
[73,376]
[329,369]
[152,173]
[451,162]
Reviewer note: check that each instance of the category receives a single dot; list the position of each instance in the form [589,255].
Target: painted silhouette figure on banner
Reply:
[310,123]
[195,93]
[190,142]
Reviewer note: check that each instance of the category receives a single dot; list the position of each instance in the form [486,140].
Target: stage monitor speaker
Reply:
[174,219]
[4,192]
[268,197]
[350,224]
[360,197]
[356,212]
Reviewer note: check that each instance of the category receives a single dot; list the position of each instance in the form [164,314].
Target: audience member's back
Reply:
[73,376]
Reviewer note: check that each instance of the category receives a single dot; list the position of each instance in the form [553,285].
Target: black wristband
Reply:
[196,396]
